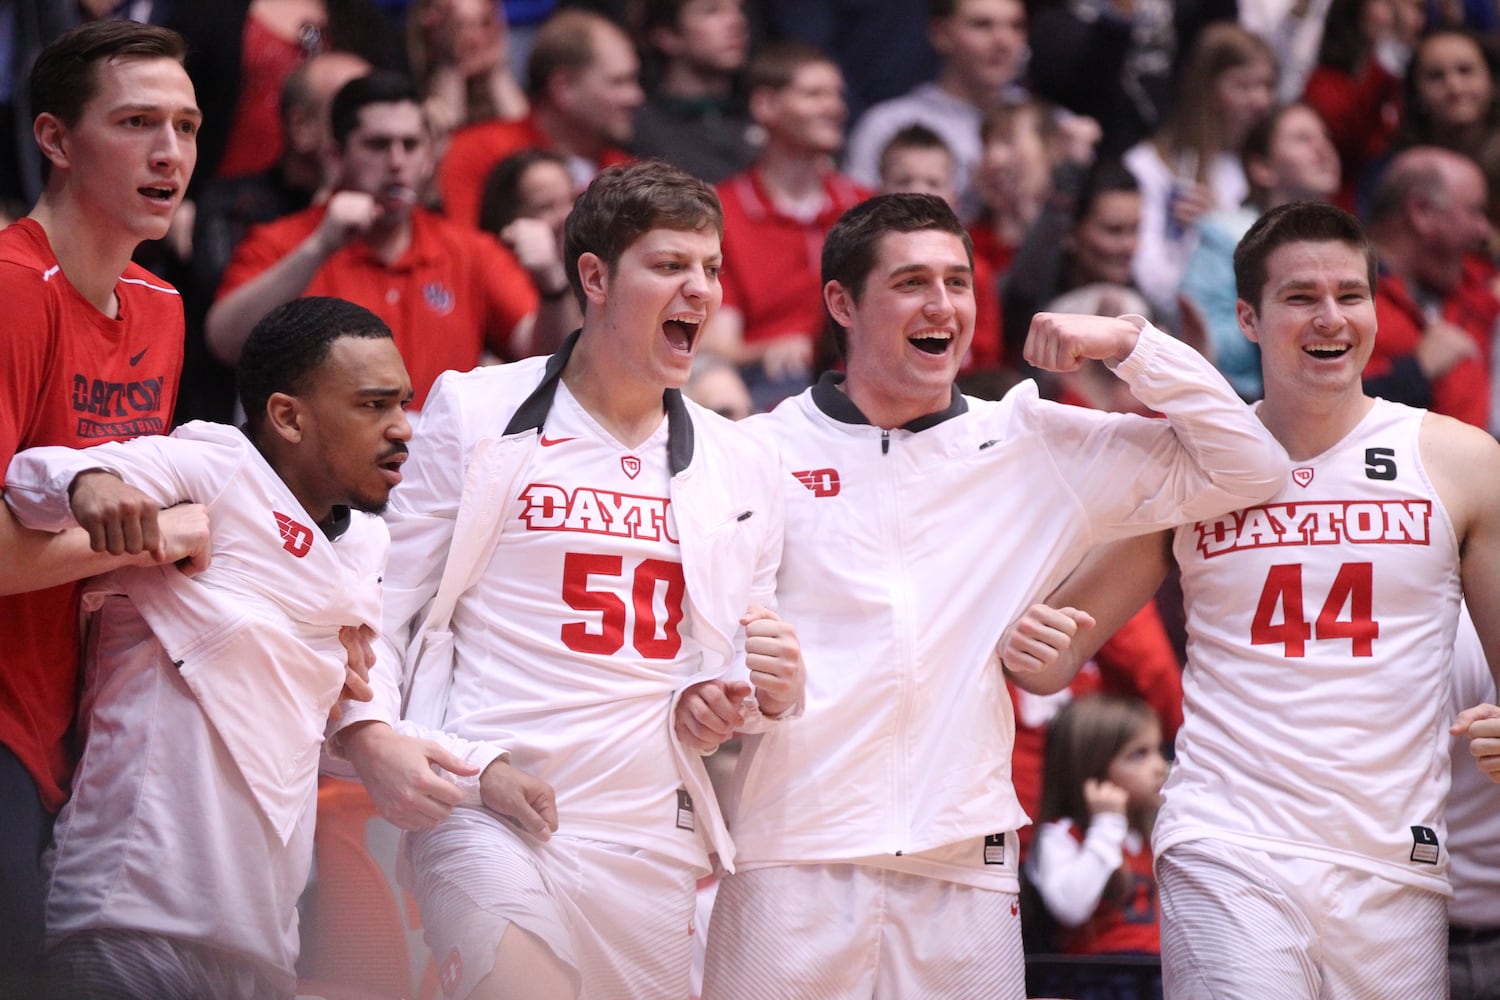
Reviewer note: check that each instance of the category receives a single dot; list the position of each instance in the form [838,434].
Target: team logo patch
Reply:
[452,972]
[295,538]
[439,299]
[1424,845]
[822,482]
[1302,477]
[631,465]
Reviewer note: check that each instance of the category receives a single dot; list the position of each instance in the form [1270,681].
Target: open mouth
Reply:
[681,332]
[398,194]
[391,467]
[1326,352]
[934,342]
[162,194]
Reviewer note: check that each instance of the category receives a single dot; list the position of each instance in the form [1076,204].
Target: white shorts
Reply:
[851,932]
[620,918]
[1242,923]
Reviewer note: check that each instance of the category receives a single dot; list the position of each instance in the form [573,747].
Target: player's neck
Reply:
[1307,428]
[631,412]
[92,260]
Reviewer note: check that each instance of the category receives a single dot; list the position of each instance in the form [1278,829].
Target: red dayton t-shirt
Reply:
[71,376]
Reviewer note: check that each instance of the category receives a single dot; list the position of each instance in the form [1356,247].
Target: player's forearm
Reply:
[232,317]
[35,560]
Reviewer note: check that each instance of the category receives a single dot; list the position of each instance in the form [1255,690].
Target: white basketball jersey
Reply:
[574,639]
[1320,637]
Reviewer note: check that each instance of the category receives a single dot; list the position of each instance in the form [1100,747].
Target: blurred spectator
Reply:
[446,291]
[1097,248]
[239,54]
[1356,84]
[228,207]
[1434,300]
[584,87]
[527,198]
[694,116]
[716,384]
[1193,163]
[459,58]
[849,32]
[775,217]
[1451,101]
[1288,157]
[982,48]
[1294,31]
[917,161]
[1132,49]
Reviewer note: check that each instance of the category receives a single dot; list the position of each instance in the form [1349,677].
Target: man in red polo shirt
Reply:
[583,79]
[1436,310]
[447,292]
[775,217]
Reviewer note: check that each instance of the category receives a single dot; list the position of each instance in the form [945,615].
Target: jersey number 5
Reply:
[651,641]
[1353,587]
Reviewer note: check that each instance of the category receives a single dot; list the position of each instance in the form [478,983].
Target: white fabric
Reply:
[204,701]
[1330,755]
[903,580]
[1240,924]
[729,520]
[858,933]
[1474,802]
[620,918]
[1160,257]
[1070,874]
[580,506]
[1294,30]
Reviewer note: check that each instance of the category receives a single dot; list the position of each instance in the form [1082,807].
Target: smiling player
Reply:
[638,532]
[920,522]
[1301,849]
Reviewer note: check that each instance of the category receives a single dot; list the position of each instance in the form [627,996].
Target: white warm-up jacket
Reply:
[908,552]
[725,496]
[205,698]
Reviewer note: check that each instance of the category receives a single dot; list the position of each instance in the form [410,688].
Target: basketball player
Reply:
[875,835]
[1300,852]
[638,549]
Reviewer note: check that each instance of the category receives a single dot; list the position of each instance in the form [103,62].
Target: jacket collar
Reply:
[838,406]
[531,415]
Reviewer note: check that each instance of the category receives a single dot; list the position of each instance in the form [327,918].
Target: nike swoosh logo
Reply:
[135,360]
[549,442]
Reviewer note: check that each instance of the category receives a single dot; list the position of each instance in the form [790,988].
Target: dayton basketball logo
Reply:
[295,538]
[1386,522]
[822,482]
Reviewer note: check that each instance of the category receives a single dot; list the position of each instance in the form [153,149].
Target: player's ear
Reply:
[593,275]
[51,138]
[1244,313]
[285,417]
[839,302]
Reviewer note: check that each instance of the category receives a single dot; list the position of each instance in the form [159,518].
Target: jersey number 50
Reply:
[1353,587]
[651,642]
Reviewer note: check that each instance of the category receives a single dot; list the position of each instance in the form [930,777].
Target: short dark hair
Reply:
[380,87]
[65,76]
[775,66]
[500,204]
[628,200]
[291,342]
[912,137]
[1296,222]
[1105,176]
[853,244]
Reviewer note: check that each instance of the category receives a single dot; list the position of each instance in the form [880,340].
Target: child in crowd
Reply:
[1101,787]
